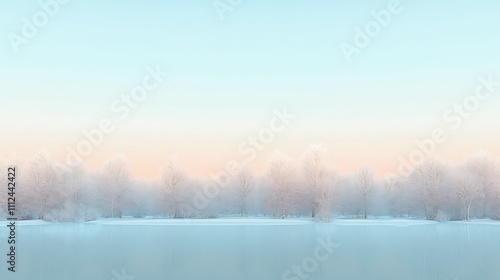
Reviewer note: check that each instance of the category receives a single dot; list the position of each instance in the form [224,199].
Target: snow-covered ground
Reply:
[254,248]
[203,222]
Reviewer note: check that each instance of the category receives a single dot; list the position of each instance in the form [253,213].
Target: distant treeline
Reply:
[306,187]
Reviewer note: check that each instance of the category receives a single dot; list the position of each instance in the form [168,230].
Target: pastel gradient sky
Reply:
[227,77]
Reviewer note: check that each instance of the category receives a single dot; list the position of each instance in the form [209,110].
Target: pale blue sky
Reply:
[269,49]
[264,55]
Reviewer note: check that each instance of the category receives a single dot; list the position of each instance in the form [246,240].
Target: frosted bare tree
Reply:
[75,185]
[246,183]
[44,182]
[429,184]
[172,179]
[3,185]
[284,194]
[3,171]
[73,204]
[115,176]
[314,173]
[469,192]
[326,194]
[398,196]
[478,184]
[365,185]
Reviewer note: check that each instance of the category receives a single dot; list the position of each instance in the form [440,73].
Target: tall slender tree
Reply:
[115,176]
[246,183]
[172,179]
[314,169]
[281,176]
[478,184]
[44,182]
[429,186]
[365,186]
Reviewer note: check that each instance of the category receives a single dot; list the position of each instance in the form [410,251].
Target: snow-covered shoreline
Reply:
[255,222]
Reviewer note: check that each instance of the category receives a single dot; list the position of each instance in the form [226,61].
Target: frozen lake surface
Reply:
[218,249]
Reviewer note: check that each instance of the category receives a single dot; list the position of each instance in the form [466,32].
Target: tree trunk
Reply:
[243,210]
[467,214]
[364,207]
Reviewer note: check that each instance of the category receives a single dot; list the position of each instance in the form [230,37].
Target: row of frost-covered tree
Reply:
[306,187]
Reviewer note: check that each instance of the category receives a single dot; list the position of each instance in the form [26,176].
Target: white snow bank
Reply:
[479,222]
[260,221]
[203,222]
[382,222]
[25,223]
